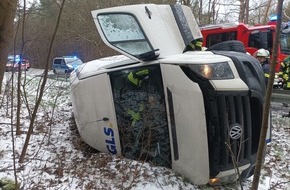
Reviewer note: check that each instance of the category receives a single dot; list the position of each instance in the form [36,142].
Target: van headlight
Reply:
[213,71]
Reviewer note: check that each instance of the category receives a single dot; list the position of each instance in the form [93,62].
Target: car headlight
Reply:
[213,71]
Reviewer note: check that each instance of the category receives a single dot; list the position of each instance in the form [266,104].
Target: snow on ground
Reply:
[57,158]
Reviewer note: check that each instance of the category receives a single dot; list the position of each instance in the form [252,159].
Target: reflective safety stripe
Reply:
[132,79]
[198,44]
[266,75]
[192,46]
[143,72]
[135,116]
[282,64]
[136,79]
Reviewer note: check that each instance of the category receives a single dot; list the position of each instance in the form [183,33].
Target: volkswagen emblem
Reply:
[236,131]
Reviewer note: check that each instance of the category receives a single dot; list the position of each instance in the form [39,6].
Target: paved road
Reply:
[37,72]
[282,96]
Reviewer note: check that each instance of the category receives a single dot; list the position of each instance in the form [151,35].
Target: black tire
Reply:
[232,45]
[54,71]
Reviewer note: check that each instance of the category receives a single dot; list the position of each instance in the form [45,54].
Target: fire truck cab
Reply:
[253,37]
[193,111]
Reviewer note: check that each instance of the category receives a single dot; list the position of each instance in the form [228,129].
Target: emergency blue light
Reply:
[273,17]
[71,56]
[12,57]
[15,58]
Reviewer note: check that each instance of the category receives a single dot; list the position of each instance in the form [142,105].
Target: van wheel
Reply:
[54,71]
[232,45]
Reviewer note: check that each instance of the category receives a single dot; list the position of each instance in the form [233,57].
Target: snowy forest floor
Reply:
[57,158]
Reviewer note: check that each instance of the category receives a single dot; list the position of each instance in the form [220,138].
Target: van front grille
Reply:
[225,112]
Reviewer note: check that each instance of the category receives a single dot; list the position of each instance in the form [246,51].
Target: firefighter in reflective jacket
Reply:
[284,73]
[138,77]
[135,110]
[263,57]
[195,45]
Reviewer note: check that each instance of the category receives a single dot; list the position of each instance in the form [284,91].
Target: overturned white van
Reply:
[192,111]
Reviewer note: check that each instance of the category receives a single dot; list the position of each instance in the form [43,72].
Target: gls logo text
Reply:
[111,146]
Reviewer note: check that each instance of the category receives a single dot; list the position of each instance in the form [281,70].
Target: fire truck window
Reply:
[254,40]
[213,39]
[141,116]
[265,37]
[262,39]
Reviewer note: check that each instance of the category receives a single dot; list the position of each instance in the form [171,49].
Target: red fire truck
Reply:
[253,37]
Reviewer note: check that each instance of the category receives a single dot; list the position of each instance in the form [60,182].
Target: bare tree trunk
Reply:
[30,130]
[7,14]
[18,100]
[200,11]
[19,72]
[266,12]
[242,11]
[264,127]
[213,10]
[208,11]
[246,21]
